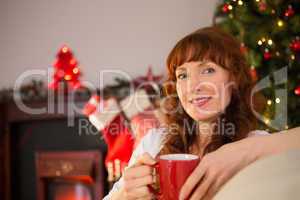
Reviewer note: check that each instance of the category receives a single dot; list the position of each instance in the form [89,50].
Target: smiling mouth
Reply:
[200,101]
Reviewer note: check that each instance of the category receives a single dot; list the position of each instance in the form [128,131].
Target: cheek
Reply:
[224,97]
[181,91]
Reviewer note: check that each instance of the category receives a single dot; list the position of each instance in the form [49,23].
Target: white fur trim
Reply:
[135,103]
[101,119]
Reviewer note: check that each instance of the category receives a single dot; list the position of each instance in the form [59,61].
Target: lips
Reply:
[200,101]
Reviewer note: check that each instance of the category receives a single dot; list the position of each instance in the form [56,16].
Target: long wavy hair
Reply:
[213,44]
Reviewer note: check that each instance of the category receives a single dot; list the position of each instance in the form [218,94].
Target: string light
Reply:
[280,23]
[277,100]
[230,7]
[269,102]
[293,57]
[240,2]
[65,49]
[257,0]
[75,70]
[267,121]
[270,42]
[67,77]
[259,42]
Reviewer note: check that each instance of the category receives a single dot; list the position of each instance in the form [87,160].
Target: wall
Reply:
[104,34]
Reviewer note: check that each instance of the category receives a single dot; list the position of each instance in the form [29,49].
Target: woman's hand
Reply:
[137,178]
[217,168]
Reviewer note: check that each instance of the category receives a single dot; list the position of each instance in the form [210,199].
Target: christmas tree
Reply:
[65,70]
[269,32]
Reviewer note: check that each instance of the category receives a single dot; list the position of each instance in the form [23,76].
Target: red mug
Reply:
[173,170]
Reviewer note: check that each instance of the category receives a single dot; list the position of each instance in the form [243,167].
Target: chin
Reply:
[204,117]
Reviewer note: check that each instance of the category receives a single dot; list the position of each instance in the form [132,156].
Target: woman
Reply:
[208,112]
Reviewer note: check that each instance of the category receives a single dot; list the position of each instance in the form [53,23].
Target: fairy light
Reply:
[257,0]
[277,100]
[75,70]
[267,121]
[280,23]
[263,39]
[240,2]
[259,42]
[269,102]
[230,7]
[270,42]
[67,77]
[293,57]
[65,49]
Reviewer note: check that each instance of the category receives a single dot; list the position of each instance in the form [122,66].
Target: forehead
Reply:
[193,63]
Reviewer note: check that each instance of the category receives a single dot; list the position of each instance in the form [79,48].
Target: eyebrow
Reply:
[199,65]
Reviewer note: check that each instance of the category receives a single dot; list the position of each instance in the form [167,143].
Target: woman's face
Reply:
[204,89]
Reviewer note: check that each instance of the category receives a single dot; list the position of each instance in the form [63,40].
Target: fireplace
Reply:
[73,175]
[41,156]
[59,189]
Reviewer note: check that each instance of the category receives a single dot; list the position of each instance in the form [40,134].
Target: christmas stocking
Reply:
[142,114]
[107,117]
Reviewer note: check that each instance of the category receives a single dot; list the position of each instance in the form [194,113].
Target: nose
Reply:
[194,85]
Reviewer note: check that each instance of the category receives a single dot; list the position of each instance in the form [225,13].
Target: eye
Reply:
[208,70]
[181,76]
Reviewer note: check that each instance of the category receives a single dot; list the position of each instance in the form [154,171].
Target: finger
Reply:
[140,192]
[147,197]
[192,181]
[137,172]
[139,182]
[216,186]
[201,190]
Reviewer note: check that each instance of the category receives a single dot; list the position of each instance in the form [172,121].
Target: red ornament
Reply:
[295,45]
[262,6]
[289,11]
[267,55]
[225,8]
[253,74]
[297,91]
[243,48]
[66,70]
